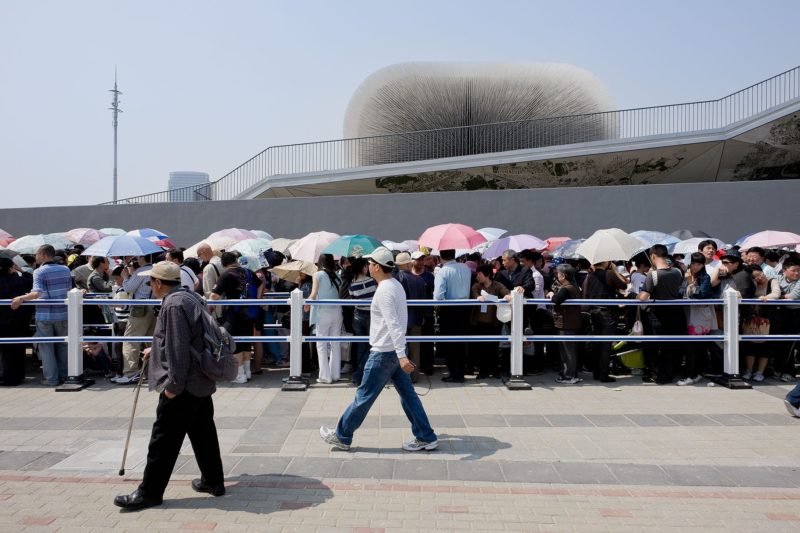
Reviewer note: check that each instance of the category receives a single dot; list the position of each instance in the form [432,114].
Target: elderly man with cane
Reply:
[387,361]
[184,405]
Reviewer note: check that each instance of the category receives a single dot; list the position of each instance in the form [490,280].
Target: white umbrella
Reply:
[112,231]
[611,244]
[282,244]
[492,234]
[30,243]
[310,247]
[261,234]
[689,246]
[396,246]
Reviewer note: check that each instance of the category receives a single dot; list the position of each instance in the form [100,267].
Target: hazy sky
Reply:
[209,84]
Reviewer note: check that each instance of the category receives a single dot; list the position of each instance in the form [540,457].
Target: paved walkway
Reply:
[623,457]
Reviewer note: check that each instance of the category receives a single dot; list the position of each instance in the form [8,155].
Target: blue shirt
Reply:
[52,282]
[452,282]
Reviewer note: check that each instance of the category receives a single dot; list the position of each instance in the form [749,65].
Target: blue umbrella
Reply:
[148,233]
[649,238]
[352,246]
[122,246]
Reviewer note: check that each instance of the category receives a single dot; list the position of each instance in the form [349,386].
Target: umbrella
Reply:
[413,245]
[111,231]
[555,242]
[649,238]
[689,246]
[685,234]
[450,237]
[291,271]
[166,244]
[261,234]
[5,241]
[771,239]
[8,254]
[30,243]
[352,246]
[84,236]
[122,246]
[148,233]
[492,234]
[4,234]
[611,244]
[396,246]
[514,242]
[234,233]
[253,250]
[567,249]
[310,247]
[282,244]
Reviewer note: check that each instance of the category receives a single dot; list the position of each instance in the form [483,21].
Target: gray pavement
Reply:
[619,457]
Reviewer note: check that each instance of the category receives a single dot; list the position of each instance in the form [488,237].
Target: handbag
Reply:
[638,328]
[702,319]
[755,325]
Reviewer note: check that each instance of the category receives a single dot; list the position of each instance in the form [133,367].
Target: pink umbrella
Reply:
[310,247]
[5,241]
[4,234]
[450,237]
[84,236]
[555,242]
[771,239]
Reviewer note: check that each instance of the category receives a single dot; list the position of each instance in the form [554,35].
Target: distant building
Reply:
[188,186]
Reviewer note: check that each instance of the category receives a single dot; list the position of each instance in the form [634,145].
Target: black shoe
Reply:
[215,490]
[136,500]
[607,379]
[449,379]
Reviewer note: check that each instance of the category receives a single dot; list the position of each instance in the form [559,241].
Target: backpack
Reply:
[216,359]
[250,292]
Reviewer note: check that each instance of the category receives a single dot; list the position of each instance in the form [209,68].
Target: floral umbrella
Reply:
[567,249]
[352,246]
[84,236]
[253,250]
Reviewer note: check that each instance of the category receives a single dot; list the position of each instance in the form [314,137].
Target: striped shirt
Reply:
[52,282]
[362,290]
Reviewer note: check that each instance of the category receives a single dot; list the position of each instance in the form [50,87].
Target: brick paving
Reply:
[623,457]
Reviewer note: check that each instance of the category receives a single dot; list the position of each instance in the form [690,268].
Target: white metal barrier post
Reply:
[730,319]
[517,381]
[75,378]
[296,381]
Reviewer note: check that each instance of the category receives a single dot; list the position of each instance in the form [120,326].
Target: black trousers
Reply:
[183,415]
[13,357]
[453,320]
[426,348]
[667,356]
[486,354]
[603,323]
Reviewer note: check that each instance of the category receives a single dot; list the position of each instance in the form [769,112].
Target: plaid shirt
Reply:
[179,327]
[52,282]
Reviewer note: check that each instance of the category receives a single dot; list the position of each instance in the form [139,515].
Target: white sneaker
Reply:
[325,381]
[794,411]
[418,445]
[747,375]
[241,377]
[758,376]
[329,436]
[127,380]
[684,381]
[786,378]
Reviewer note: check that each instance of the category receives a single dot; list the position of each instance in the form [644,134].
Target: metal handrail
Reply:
[341,154]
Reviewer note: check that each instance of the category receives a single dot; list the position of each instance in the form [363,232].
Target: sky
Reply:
[208,84]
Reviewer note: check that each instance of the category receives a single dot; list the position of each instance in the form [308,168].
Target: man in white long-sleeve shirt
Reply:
[387,361]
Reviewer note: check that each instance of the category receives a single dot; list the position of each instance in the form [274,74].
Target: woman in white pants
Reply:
[327,319]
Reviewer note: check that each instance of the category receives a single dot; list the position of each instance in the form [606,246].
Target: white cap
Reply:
[382,256]
[416,255]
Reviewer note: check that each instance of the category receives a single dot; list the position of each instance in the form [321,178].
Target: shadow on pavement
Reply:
[260,494]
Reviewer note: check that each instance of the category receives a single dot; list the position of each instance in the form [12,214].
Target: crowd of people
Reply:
[225,275]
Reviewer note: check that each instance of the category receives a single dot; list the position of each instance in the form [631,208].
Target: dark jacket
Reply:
[519,277]
[567,316]
[179,330]
[704,290]
[415,290]
[15,323]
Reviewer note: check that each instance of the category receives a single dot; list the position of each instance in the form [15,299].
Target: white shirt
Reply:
[188,279]
[389,318]
[538,286]
[210,275]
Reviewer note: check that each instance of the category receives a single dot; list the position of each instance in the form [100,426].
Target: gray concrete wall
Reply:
[725,210]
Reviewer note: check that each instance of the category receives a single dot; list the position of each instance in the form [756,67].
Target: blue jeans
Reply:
[794,396]
[380,368]
[53,356]
[271,348]
[361,321]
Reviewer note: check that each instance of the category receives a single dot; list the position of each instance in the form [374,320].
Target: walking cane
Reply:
[133,413]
